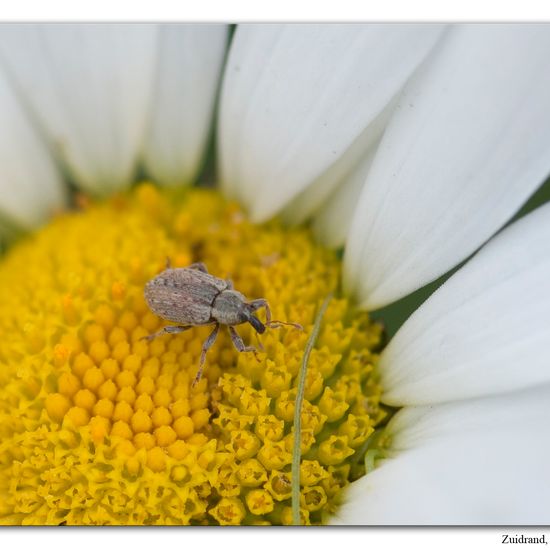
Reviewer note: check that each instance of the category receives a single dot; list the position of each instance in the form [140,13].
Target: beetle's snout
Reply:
[259,327]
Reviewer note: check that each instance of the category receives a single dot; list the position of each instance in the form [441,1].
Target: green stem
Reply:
[296,450]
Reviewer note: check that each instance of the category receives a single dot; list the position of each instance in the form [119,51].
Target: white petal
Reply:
[468,462]
[414,427]
[485,331]
[331,182]
[494,478]
[468,144]
[30,186]
[300,100]
[190,61]
[89,86]
[332,222]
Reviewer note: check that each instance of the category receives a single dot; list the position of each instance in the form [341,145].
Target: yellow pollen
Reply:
[99,426]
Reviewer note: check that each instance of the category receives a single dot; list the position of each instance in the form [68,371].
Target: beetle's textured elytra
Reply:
[190,296]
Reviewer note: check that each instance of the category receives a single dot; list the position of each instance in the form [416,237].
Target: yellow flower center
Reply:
[99,426]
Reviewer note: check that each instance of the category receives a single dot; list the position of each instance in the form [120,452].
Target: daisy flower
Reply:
[407,146]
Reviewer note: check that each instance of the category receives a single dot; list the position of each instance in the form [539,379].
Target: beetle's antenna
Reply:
[277,324]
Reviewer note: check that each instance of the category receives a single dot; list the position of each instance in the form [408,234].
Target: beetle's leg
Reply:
[199,266]
[260,345]
[170,329]
[229,284]
[205,347]
[238,341]
[262,302]
[168,262]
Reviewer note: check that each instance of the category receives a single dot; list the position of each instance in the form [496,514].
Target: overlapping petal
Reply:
[333,220]
[189,66]
[468,143]
[479,461]
[485,331]
[414,427]
[301,103]
[89,87]
[30,184]
[497,478]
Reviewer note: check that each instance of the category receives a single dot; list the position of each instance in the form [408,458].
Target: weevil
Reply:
[190,296]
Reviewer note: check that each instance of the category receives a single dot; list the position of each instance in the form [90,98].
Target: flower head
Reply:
[409,146]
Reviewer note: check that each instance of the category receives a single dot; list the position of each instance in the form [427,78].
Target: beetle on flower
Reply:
[192,297]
